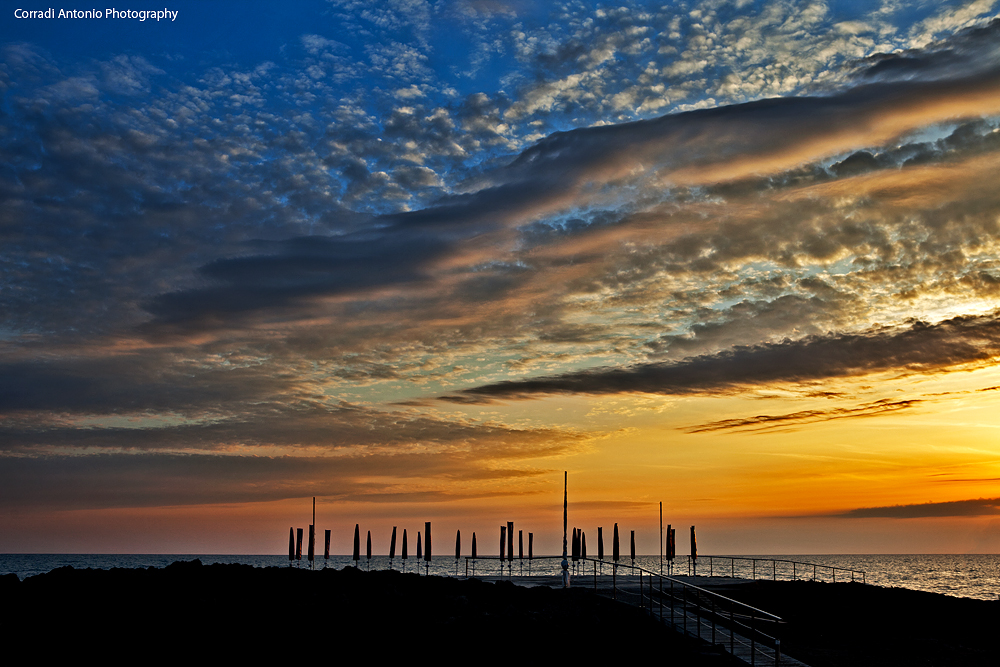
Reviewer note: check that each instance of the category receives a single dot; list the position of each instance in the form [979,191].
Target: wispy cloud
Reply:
[790,420]
[957,508]
[920,347]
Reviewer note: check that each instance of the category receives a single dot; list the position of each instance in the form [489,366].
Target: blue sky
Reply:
[429,250]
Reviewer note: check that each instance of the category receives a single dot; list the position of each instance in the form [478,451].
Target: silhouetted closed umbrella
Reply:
[369,545]
[503,540]
[458,544]
[520,544]
[583,545]
[600,542]
[357,542]
[291,543]
[633,546]
[614,546]
[392,544]
[510,540]
[474,545]
[420,552]
[404,544]
[427,541]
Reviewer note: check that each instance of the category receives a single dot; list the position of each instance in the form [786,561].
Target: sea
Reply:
[971,575]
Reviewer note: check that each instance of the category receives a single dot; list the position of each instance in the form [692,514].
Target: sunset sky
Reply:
[417,258]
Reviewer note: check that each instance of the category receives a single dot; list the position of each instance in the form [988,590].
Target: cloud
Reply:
[920,347]
[306,268]
[768,422]
[957,508]
[157,479]
[970,50]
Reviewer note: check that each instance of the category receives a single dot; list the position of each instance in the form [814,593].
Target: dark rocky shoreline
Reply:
[241,612]
[858,625]
[233,612]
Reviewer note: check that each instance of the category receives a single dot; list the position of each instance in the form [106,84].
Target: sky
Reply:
[418,258]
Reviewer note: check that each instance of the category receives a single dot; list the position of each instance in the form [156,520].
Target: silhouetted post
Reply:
[503,545]
[368,553]
[298,544]
[694,550]
[392,546]
[404,550]
[671,549]
[357,544]
[661,538]
[427,546]
[291,543]
[531,539]
[520,550]
[510,547]
[326,546]
[312,536]
[633,549]
[565,563]
[614,565]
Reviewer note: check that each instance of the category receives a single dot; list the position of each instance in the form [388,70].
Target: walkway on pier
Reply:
[691,605]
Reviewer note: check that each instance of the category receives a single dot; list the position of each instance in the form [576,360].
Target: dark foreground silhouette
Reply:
[226,612]
[854,625]
[188,611]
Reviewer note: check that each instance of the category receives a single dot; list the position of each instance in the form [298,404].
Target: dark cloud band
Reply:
[920,347]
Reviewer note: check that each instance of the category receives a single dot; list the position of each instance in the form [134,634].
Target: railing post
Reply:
[777,652]
[684,610]
[713,621]
[732,568]
[732,632]
[754,577]
[673,600]
[697,617]
[774,570]
[753,638]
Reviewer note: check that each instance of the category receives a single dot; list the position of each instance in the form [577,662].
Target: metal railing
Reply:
[698,612]
[692,610]
[773,568]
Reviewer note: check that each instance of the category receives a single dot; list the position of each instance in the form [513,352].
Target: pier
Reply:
[694,606]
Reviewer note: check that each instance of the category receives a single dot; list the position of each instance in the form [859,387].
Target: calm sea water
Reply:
[973,576]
